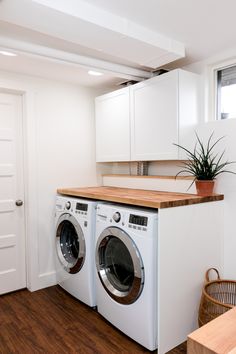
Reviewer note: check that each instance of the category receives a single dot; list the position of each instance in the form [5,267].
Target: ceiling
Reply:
[206,27]
[125,39]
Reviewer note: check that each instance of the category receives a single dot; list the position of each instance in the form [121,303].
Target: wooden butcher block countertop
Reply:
[139,197]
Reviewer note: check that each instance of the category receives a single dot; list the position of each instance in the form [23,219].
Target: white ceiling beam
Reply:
[88,63]
[105,19]
[80,23]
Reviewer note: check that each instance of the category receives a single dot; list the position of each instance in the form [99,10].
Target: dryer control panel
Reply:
[134,221]
[127,218]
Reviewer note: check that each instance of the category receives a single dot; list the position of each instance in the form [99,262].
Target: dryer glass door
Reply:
[70,243]
[119,265]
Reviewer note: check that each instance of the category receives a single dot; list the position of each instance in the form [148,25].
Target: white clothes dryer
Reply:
[75,247]
[126,278]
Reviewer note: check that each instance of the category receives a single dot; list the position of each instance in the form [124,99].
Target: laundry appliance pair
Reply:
[107,257]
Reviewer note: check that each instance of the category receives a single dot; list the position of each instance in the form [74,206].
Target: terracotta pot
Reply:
[205,187]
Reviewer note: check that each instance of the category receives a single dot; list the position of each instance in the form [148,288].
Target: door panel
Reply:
[6,206]
[12,233]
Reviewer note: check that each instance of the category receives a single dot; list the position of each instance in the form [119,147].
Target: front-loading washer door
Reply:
[70,243]
[119,265]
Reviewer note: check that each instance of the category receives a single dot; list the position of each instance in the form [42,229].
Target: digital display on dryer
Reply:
[82,206]
[138,220]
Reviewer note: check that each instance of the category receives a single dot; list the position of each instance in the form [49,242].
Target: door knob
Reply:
[19,202]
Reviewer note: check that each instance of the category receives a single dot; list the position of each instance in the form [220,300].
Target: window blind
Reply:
[228,76]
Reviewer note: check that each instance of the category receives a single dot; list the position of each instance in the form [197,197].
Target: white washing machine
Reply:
[126,278]
[75,247]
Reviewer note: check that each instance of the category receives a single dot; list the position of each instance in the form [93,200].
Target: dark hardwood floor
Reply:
[51,321]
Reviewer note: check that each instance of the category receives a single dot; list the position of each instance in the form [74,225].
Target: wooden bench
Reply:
[217,336]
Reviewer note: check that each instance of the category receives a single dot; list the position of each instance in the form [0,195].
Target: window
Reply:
[226,92]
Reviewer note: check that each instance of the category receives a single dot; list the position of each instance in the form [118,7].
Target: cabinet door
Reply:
[190,110]
[113,126]
[154,118]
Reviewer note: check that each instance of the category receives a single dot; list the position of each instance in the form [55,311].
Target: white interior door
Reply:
[12,232]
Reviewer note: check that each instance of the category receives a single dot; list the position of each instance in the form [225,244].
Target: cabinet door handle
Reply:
[19,202]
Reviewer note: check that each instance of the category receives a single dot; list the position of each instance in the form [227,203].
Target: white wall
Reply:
[226,183]
[60,152]
[65,140]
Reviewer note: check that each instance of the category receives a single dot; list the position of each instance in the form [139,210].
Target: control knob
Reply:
[116,216]
[68,205]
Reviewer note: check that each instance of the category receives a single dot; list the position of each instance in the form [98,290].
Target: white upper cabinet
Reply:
[142,122]
[154,118]
[164,111]
[113,126]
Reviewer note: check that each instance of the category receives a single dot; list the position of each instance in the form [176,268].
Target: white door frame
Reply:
[30,177]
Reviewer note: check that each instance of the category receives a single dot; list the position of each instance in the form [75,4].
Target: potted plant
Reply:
[204,164]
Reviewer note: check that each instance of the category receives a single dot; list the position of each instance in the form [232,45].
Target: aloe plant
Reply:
[203,163]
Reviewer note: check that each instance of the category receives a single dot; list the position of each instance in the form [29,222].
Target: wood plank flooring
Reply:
[52,321]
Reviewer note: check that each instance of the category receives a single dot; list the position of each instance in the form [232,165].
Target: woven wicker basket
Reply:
[218,296]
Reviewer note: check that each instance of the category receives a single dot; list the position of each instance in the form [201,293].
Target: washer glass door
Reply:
[119,265]
[70,243]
